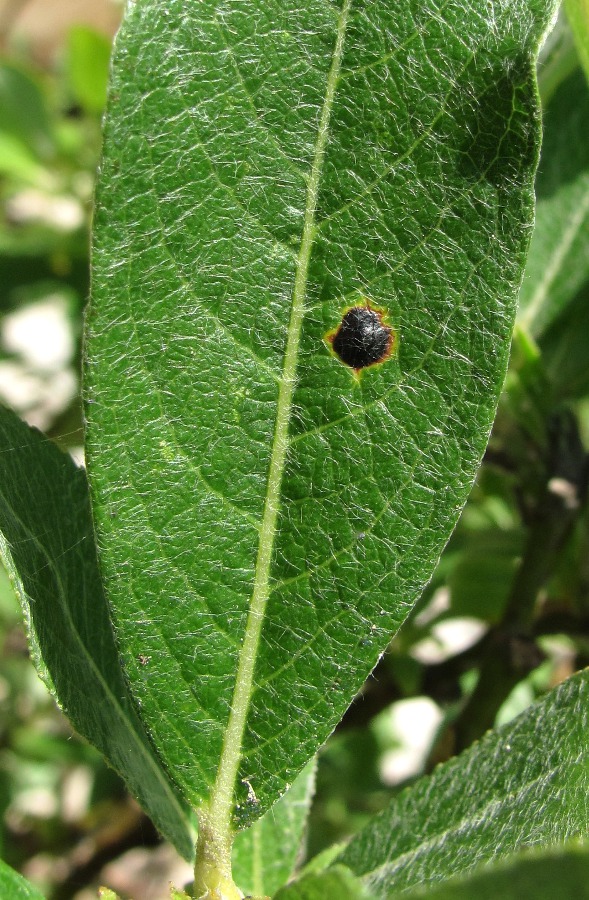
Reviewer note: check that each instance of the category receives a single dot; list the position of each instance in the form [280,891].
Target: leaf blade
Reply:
[15,886]
[526,784]
[557,265]
[561,872]
[264,856]
[47,547]
[377,466]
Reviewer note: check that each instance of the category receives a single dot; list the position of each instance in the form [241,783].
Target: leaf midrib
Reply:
[222,795]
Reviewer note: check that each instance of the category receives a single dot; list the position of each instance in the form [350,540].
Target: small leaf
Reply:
[266,513]
[522,785]
[15,887]
[47,546]
[88,56]
[265,855]
[336,883]
[23,111]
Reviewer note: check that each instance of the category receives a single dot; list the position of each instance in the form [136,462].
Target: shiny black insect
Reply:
[362,338]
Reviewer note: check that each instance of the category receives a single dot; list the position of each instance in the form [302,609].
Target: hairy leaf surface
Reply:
[335,882]
[523,785]
[47,546]
[559,872]
[267,516]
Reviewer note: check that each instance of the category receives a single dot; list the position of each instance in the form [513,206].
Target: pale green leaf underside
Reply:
[47,547]
[266,165]
[523,785]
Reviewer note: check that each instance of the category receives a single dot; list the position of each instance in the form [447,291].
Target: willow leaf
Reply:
[267,515]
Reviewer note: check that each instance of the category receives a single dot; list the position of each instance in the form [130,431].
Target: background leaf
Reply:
[558,261]
[23,112]
[562,872]
[47,546]
[523,785]
[14,887]
[336,882]
[266,518]
[578,14]
[264,856]
[87,61]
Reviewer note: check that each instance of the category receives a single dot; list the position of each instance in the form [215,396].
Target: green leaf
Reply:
[479,583]
[14,887]
[564,348]
[561,873]
[266,517]
[265,855]
[47,546]
[16,160]
[558,261]
[337,883]
[523,785]
[578,16]
[88,56]
[557,59]
[23,111]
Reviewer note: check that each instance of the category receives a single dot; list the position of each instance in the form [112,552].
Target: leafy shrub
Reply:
[310,232]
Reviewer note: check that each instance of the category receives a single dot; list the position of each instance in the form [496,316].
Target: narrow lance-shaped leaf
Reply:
[522,785]
[47,546]
[264,856]
[267,514]
[558,261]
[561,871]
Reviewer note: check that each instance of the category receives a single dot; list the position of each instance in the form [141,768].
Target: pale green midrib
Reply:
[221,802]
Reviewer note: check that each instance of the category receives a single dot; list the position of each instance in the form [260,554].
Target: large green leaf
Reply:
[561,873]
[266,517]
[47,545]
[522,785]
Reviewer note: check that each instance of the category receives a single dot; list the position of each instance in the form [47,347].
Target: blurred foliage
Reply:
[515,575]
[58,799]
